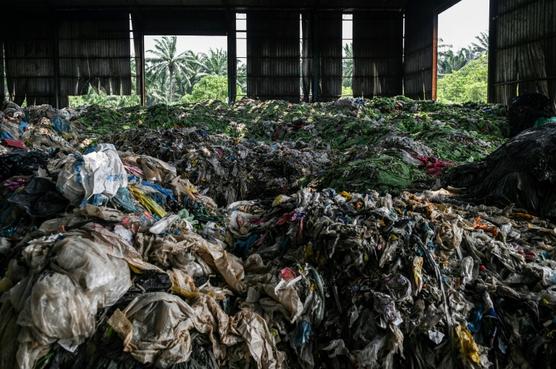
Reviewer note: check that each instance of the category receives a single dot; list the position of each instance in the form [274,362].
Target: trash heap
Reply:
[114,258]
[388,144]
[521,172]
[229,169]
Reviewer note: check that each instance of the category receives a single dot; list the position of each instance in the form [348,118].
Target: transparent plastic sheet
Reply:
[156,328]
[61,301]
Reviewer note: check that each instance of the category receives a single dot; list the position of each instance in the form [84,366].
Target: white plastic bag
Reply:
[103,172]
[99,172]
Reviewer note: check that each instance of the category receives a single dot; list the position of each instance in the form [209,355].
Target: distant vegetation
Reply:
[463,74]
[176,77]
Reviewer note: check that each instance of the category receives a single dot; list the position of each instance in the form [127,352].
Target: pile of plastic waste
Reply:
[229,169]
[113,254]
[389,144]
[522,172]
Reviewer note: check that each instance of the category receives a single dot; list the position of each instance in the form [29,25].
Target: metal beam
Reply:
[434,56]
[492,49]
[232,57]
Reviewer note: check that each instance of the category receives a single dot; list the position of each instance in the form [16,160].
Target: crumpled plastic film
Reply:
[156,328]
[241,242]
[62,304]
[100,172]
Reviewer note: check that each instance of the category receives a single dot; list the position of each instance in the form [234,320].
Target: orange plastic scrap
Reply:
[479,224]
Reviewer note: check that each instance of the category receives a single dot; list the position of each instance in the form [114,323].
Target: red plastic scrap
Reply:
[286,217]
[434,166]
[287,274]
[18,144]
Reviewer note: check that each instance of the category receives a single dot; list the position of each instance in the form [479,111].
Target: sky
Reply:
[457,26]
[194,43]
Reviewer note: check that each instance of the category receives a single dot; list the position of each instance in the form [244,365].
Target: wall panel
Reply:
[29,53]
[524,54]
[420,50]
[377,53]
[94,50]
[273,55]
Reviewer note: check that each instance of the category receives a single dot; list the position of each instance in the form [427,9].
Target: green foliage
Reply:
[101,98]
[480,45]
[171,75]
[347,91]
[450,60]
[468,84]
[347,66]
[364,140]
[210,87]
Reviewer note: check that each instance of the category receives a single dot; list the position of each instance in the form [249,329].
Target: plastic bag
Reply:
[98,172]
[103,172]
[63,303]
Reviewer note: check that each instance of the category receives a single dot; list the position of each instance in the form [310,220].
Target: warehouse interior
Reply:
[320,190]
[395,46]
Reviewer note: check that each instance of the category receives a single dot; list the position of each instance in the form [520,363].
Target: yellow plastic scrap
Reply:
[181,287]
[346,195]
[467,345]
[418,273]
[308,250]
[5,284]
[147,202]
[279,200]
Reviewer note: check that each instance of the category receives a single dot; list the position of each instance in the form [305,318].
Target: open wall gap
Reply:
[347,54]
[462,61]
[241,52]
[185,69]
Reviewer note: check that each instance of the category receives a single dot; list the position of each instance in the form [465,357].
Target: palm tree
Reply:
[215,62]
[481,44]
[166,64]
[450,61]
[347,65]
[242,75]
[194,72]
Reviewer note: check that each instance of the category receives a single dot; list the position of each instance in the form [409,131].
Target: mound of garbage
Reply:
[389,144]
[114,254]
[522,172]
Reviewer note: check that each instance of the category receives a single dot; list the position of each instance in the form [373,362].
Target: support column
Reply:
[232,58]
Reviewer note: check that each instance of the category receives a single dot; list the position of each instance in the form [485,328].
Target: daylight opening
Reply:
[347,54]
[462,52]
[185,69]
[241,55]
